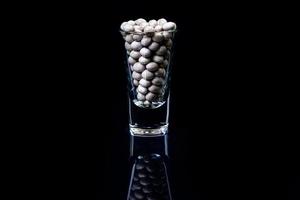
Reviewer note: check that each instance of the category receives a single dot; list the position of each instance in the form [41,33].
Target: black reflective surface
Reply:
[149,178]
[218,144]
[222,115]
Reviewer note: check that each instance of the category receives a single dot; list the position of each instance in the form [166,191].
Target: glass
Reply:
[148,62]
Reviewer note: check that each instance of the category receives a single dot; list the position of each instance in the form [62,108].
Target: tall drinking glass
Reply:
[148,62]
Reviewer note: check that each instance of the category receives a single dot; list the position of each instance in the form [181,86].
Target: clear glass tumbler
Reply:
[148,61]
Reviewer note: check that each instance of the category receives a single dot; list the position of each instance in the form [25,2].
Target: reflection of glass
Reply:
[149,179]
[148,66]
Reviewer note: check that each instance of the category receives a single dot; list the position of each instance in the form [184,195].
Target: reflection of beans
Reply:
[155,176]
[139,195]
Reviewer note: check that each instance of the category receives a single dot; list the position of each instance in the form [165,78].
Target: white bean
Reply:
[123,34]
[137,37]
[149,29]
[151,96]
[129,38]
[138,67]
[136,45]
[128,46]
[153,46]
[147,75]
[152,22]
[156,58]
[131,22]
[136,76]
[142,90]
[139,21]
[141,97]
[158,37]
[144,83]
[137,29]
[131,60]
[128,28]
[152,67]
[165,63]
[168,54]
[135,54]
[158,28]
[143,24]
[154,89]
[158,81]
[144,60]
[169,43]
[147,103]
[169,26]
[145,52]
[146,41]
[161,21]
[161,51]
[167,35]
[135,83]
[122,25]
[160,72]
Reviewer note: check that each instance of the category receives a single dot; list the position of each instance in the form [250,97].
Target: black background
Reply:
[221,145]
[215,104]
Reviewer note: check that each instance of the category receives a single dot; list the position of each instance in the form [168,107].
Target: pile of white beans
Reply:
[148,46]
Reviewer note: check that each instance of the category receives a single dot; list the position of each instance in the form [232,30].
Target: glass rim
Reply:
[143,33]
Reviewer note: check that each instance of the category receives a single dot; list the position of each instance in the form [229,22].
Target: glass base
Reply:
[148,132]
[148,121]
